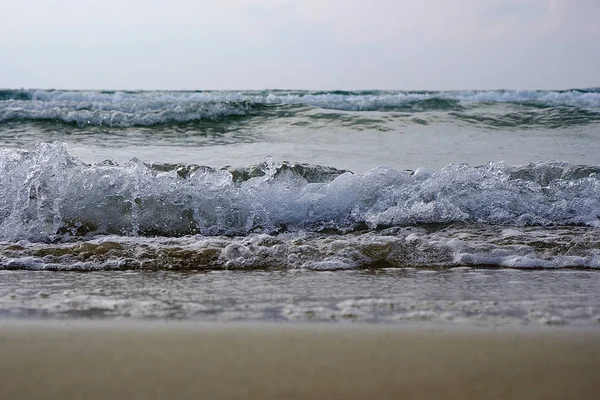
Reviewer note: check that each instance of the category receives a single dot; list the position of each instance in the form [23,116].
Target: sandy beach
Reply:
[101,360]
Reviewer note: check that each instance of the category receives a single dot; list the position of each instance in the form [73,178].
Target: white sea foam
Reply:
[569,247]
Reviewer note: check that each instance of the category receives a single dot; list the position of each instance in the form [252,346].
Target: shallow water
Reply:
[459,296]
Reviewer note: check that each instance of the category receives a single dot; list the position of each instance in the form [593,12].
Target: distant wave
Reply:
[47,192]
[125,109]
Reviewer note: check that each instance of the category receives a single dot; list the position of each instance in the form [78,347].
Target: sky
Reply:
[300,44]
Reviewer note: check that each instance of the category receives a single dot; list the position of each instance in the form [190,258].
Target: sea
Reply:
[468,208]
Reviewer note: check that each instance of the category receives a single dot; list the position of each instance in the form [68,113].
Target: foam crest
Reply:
[97,109]
[573,98]
[46,192]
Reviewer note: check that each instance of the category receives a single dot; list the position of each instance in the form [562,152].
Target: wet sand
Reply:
[100,360]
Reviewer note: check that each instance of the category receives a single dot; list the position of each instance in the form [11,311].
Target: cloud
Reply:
[394,44]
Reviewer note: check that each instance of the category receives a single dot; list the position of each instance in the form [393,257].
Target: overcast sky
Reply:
[300,44]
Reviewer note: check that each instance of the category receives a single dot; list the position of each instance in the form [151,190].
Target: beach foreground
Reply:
[94,360]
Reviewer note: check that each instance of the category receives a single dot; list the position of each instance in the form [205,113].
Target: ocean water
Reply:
[377,206]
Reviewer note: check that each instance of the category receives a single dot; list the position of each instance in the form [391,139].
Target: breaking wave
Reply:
[48,192]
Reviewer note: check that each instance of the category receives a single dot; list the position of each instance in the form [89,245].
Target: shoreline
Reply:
[138,359]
